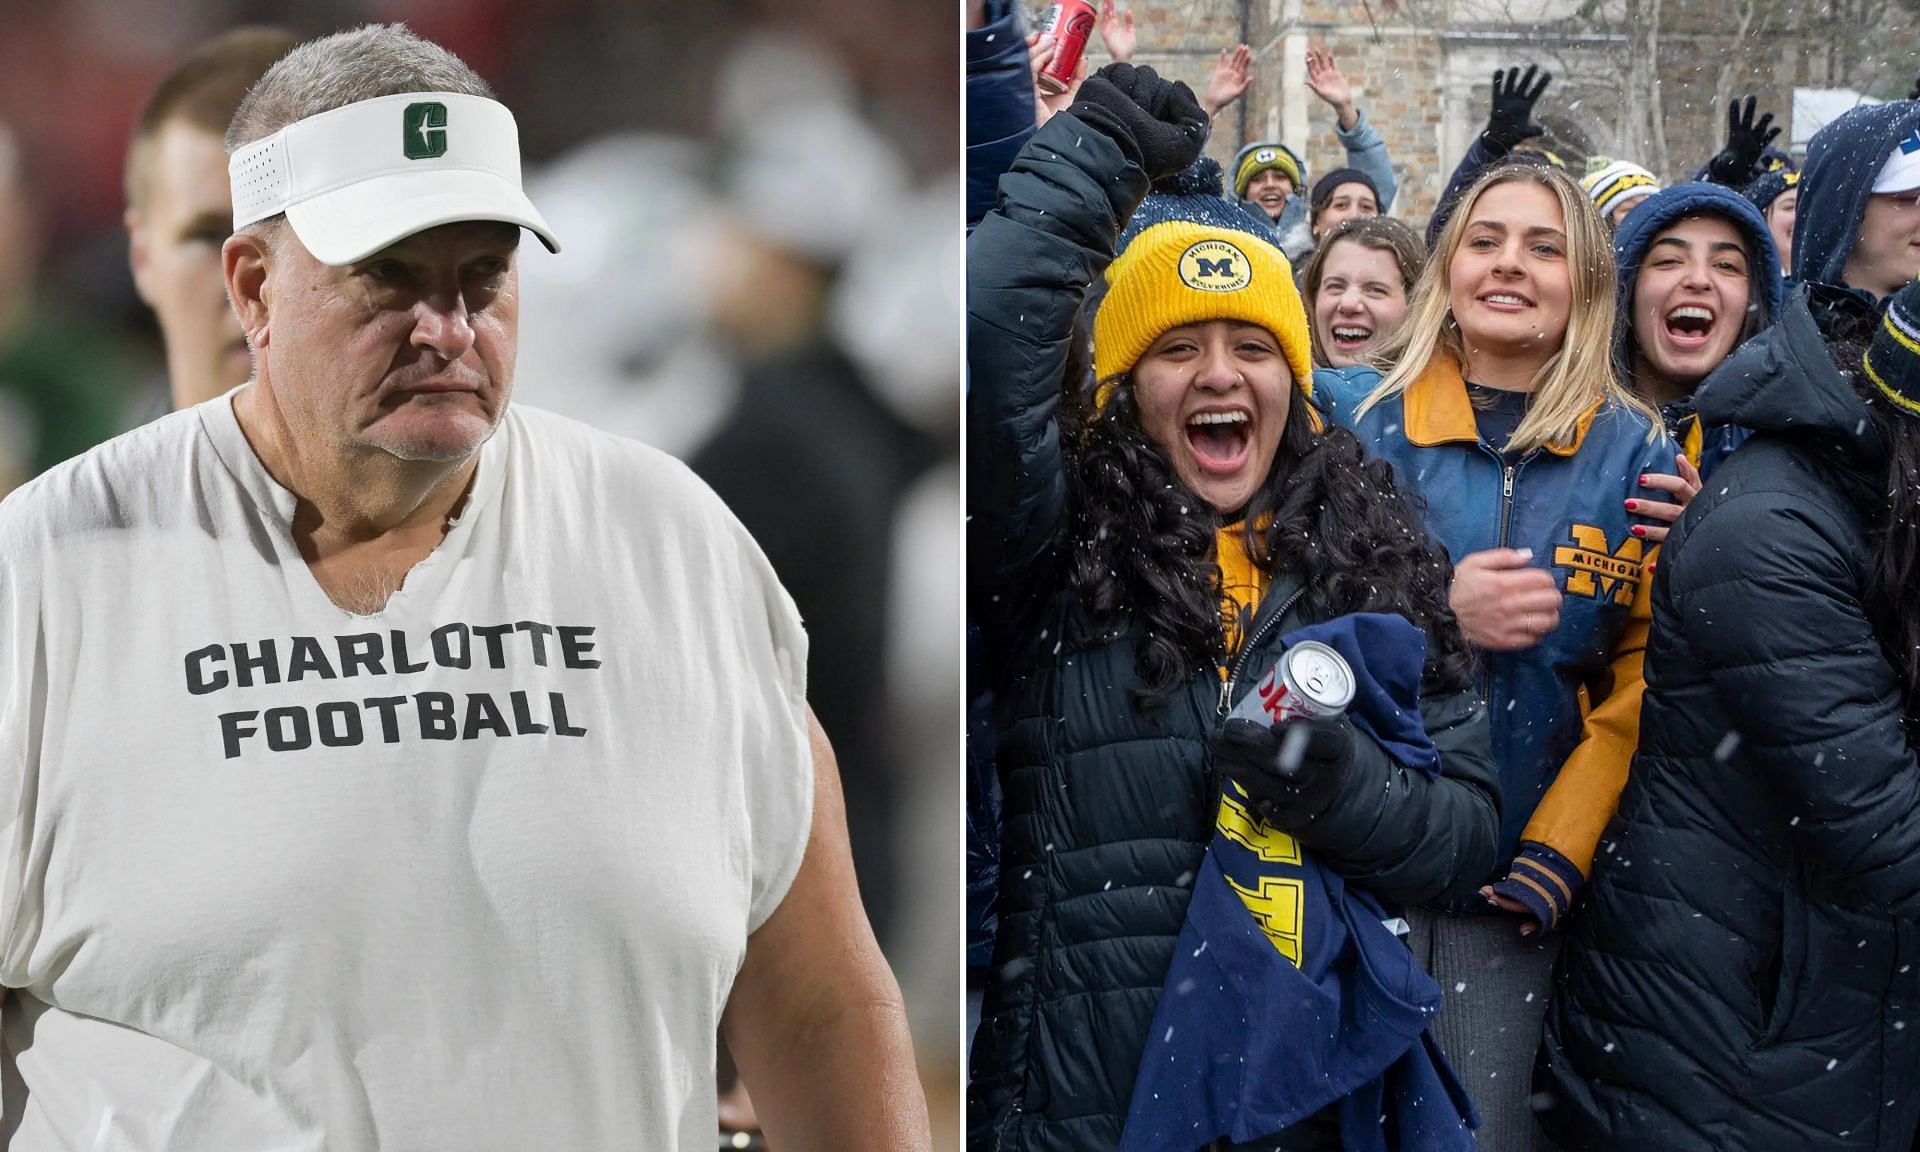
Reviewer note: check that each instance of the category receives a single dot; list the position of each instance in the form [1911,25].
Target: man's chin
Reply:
[440,437]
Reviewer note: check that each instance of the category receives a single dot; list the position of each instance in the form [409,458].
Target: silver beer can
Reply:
[1310,680]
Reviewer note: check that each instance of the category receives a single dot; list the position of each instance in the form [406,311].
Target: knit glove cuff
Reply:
[1543,880]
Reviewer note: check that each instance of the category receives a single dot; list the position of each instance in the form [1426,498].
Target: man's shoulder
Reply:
[118,484]
[639,484]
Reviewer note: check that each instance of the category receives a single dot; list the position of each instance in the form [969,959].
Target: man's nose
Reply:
[443,325]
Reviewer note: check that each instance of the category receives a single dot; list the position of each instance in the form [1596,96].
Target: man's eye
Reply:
[386,272]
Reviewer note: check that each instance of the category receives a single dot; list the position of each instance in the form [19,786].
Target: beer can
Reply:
[1070,23]
[1309,680]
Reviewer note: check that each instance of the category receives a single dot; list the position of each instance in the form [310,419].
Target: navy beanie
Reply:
[1770,186]
[1842,160]
[1323,187]
[1196,193]
[1892,361]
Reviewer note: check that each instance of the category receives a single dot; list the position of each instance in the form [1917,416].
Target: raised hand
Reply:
[1229,80]
[1039,53]
[1158,123]
[1735,164]
[1116,31]
[1514,95]
[1330,84]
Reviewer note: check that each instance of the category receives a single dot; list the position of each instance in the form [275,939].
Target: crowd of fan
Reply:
[1639,464]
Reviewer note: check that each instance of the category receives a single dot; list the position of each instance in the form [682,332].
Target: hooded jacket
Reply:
[1107,811]
[1746,974]
[1842,160]
[1704,445]
[1565,712]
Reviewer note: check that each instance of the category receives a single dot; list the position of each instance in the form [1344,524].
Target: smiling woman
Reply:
[1698,277]
[1131,543]
[1500,406]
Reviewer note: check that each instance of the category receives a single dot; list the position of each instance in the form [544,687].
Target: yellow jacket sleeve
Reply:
[1571,816]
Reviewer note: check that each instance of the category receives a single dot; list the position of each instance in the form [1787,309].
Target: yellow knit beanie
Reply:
[1182,272]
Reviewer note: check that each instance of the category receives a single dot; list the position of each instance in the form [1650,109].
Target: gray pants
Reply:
[1495,983]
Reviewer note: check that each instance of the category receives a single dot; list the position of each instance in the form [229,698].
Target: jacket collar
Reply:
[1438,411]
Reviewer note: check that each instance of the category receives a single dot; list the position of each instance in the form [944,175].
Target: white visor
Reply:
[1901,172]
[358,178]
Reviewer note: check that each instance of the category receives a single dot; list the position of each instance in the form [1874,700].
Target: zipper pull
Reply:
[1226,696]
[1507,489]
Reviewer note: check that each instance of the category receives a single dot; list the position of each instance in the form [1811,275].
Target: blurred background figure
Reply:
[64,386]
[180,210]
[761,277]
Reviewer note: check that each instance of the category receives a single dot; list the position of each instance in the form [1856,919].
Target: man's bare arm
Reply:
[815,1019]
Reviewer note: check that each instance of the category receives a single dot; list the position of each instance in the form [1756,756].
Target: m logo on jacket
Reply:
[1597,571]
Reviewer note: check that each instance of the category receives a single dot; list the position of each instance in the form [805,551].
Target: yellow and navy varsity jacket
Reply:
[1566,712]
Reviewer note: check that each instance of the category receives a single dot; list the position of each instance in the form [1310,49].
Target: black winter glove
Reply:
[1158,123]
[1514,95]
[1291,773]
[1737,164]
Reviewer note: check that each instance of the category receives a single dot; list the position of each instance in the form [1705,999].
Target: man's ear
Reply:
[244,259]
[139,255]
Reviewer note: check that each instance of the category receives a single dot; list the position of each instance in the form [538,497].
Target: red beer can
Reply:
[1069,22]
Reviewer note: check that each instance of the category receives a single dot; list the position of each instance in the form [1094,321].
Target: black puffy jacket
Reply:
[1747,973]
[1106,806]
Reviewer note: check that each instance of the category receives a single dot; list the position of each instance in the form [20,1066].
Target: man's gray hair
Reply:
[345,68]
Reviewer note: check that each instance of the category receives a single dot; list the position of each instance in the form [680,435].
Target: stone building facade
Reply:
[1422,70]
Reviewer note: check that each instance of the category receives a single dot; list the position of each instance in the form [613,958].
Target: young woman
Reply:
[1744,973]
[1502,410]
[1357,287]
[1136,550]
[1698,278]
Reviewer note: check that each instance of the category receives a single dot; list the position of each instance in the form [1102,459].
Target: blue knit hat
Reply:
[1770,186]
[1196,194]
[1892,361]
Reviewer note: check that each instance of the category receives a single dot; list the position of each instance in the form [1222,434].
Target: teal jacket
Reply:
[1566,713]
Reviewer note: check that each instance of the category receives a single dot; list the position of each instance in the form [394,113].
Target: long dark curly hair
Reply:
[1143,552]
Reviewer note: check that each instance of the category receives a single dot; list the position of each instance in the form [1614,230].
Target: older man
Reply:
[385,766]
[179,209]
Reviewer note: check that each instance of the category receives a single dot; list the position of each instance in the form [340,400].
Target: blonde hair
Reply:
[1579,373]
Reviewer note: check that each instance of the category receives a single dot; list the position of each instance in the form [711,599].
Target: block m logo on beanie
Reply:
[424,130]
[1215,266]
[1596,571]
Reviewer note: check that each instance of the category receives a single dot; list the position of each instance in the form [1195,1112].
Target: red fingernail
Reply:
[1633,505]
[1643,477]
[1639,531]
